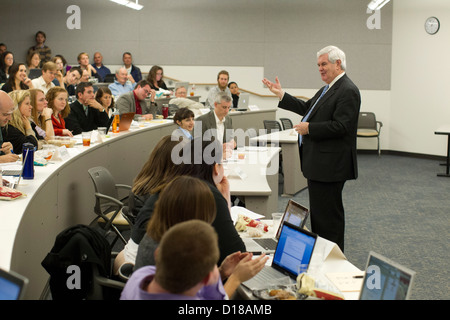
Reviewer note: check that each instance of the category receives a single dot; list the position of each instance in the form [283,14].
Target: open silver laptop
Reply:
[243,102]
[385,279]
[295,247]
[294,213]
[12,285]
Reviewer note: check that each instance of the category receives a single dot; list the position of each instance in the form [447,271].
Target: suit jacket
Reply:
[328,152]
[208,121]
[78,122]
[126,103]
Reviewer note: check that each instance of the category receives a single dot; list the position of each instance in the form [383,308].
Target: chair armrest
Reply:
[105,197]
[109,282]
[123,186]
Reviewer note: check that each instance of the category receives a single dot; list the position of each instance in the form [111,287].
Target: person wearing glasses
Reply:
[134,101]
[45,82]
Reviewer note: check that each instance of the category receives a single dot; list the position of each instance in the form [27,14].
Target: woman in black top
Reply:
[155,77]
[18,79]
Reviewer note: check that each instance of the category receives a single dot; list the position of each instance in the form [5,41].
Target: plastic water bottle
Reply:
[28,161]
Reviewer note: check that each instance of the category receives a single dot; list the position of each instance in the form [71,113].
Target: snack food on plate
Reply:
[244,222]
[7,193]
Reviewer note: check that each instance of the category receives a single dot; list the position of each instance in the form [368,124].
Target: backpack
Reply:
[78,253]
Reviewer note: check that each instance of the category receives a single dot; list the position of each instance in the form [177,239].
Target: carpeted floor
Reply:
[399,208]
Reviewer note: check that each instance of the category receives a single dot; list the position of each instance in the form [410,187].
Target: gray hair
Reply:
[222,97]
[334,54]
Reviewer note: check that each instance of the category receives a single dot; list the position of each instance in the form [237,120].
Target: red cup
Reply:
[165,112]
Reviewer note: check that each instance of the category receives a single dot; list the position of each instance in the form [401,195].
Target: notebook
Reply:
[12,285]
[243,102]
[385,279]
[125,121]
[295,247]
[294,213]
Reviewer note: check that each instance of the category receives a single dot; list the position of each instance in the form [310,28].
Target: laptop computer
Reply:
[295,247]
[385,279]
[125,121]
[243,102]
[12,285]
[294,213]
[34,73]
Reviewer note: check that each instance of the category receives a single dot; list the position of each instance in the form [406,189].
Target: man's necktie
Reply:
[305,118]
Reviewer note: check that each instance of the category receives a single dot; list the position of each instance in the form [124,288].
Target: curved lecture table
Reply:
[62,195]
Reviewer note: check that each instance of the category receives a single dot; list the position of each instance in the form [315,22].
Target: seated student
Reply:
[218,123]
[188,198]
[155,78]
[191,243]
[41,115]
[6,61]
[104,97]
[133,71]
[71,79]
[57,98]
[33,60]
[83,61]
[150,177]
[6,110]
[18,79]
[20,128]
[86,114]
[98,65]
[182,102]
[234,89]
[45,81]
[134,101]
[200,159]
[184,118]
[121,84]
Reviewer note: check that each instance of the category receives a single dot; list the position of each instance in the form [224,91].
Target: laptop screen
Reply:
[295,214]
[295,247]
[11,285]
[385,280]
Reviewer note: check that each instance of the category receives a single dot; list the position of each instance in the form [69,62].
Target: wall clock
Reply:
[432,25]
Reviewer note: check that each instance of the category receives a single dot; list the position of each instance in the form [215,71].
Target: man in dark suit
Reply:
[327,141]
[218,123]
[86,114]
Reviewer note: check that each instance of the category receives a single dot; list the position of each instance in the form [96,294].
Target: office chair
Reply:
[108,207]
[287,123]
[272,126]
[275,126]
[86,249]
[369,127]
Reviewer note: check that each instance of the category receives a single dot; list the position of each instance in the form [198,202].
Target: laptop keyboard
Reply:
[266,277]
[266,243]
[11,172]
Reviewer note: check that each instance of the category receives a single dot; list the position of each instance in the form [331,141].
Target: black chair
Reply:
[109,208]
[287,123]
[272,126]
[369,127]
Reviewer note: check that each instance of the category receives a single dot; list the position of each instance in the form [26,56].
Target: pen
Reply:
[358,277]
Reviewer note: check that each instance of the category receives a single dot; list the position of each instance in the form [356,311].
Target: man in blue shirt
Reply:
[98,65]
[121,84]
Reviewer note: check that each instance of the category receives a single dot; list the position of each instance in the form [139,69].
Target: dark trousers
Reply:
[327,210]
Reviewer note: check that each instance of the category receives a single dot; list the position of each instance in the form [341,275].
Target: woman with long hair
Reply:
[18,79]
[58,102]
[41,114]
[20,129]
